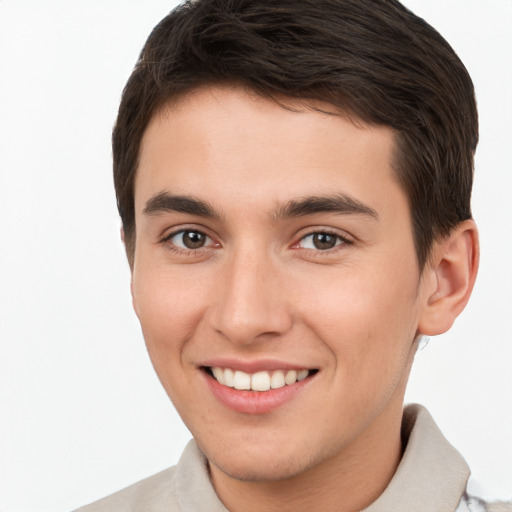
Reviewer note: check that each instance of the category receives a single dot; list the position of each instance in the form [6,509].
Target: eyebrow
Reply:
[337,203]
[168,203]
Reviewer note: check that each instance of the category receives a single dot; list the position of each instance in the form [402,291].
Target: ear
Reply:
[449,277]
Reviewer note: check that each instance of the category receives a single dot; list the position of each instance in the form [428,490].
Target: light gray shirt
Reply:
[431,477]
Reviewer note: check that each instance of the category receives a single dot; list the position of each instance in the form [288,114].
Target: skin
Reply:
[259,289]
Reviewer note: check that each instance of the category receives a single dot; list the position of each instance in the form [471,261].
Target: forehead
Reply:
[232,141]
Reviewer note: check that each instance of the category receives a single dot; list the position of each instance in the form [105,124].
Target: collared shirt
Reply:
[431,477]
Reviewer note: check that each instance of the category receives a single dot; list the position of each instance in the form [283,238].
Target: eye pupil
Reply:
[324,241]
[193,239]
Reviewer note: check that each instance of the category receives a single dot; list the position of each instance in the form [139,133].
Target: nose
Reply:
[250,303]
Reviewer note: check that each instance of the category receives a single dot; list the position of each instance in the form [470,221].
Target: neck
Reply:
[349,481]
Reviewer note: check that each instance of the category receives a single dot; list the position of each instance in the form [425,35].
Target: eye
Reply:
[189,239]
[321,241]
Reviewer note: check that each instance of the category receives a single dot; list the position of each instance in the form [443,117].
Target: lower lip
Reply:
[254,402]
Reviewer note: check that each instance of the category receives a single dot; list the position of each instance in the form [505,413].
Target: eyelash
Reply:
[339,243]
[166,241]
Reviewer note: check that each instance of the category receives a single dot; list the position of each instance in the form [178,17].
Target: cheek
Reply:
[368,321]
[169,308]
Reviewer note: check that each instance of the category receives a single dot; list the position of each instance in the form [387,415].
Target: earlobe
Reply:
[451,276]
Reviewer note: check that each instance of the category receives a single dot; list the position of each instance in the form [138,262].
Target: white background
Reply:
[81,412]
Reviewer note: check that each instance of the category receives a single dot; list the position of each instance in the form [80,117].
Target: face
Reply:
[275,279]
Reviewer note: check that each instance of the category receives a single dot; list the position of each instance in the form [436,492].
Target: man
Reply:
[294,183]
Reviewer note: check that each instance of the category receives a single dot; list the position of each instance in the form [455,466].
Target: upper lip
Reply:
[253,366]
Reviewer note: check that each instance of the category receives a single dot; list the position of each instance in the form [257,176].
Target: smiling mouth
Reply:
[259,381]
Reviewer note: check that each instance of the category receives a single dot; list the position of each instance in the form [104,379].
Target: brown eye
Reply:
[321,241]
[188,239]
[324,241]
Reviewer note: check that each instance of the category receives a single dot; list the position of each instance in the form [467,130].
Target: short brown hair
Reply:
[372,59]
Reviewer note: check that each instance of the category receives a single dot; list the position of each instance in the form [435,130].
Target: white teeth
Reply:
[290,377]
[218,374]
[277,379]
[259,381]
[302,374]
[229,377]
[242,380]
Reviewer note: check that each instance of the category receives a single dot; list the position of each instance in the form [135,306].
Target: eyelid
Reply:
[166,238]
[342,236]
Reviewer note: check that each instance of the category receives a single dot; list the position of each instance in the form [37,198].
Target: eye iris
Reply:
[193,239]
[324,241]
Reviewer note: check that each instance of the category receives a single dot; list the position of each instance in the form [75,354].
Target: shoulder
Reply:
[184,487]
[153,494]
[473,504]
[432,474]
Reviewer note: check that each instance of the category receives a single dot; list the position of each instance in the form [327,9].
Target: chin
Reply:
[262,461]
[262,469]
